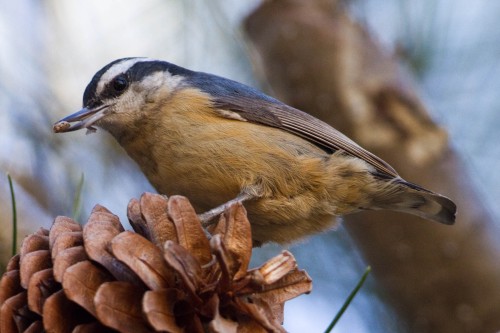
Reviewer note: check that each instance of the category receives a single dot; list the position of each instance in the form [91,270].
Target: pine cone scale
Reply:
[144,258]
[167,277]
[67,258]
[190,233]
[118,305]
[153,208]
[81,282]
[42,284]
[159,308]
[33,262]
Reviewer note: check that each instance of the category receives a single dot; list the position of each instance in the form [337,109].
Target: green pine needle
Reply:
[77,201]
[348,300]
[14,216]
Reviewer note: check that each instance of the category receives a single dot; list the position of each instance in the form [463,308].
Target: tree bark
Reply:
[316,58]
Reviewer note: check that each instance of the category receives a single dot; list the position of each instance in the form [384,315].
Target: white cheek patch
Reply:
[116,69]
[158,85]
[152,88]
[164,80]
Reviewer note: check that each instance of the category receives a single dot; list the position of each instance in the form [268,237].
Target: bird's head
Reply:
[119,94]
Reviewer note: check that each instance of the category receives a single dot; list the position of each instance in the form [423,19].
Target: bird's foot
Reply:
[208,218]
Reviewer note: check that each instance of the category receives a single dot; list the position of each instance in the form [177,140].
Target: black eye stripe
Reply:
[115,87]
[90,94]
[135,73]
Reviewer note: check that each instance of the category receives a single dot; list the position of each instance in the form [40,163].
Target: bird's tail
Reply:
[413,199]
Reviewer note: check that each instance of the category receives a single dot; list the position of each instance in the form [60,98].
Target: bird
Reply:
[217,141]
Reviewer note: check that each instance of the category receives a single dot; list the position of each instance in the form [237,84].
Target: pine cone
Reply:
[166,276]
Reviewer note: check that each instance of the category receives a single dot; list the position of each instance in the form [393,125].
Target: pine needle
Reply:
[14,216]
[349,300]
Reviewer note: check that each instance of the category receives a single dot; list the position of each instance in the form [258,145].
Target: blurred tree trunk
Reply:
[438,278]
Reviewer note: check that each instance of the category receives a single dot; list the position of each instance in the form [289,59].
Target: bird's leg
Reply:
[208,218]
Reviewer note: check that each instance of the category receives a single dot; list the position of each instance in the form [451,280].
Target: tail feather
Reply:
[413,199]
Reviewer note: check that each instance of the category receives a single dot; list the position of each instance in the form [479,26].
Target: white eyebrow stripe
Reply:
[116,69]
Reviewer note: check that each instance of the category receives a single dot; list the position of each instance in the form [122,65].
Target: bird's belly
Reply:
[206,187]
[216,164]
[288,209]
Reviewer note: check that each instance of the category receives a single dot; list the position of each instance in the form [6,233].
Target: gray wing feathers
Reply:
[276,114]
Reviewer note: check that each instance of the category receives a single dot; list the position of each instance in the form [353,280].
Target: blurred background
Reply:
[49,50]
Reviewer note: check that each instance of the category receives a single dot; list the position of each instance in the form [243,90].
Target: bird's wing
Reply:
[262,109]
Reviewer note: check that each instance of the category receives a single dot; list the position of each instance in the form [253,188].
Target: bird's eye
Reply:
[120,83]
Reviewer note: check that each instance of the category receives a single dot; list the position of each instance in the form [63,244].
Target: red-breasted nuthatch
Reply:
[214,140]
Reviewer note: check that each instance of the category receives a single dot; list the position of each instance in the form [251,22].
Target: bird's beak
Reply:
[84,118]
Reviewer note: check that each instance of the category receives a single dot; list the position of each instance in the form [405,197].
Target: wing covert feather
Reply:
[280,115]
[254,106]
